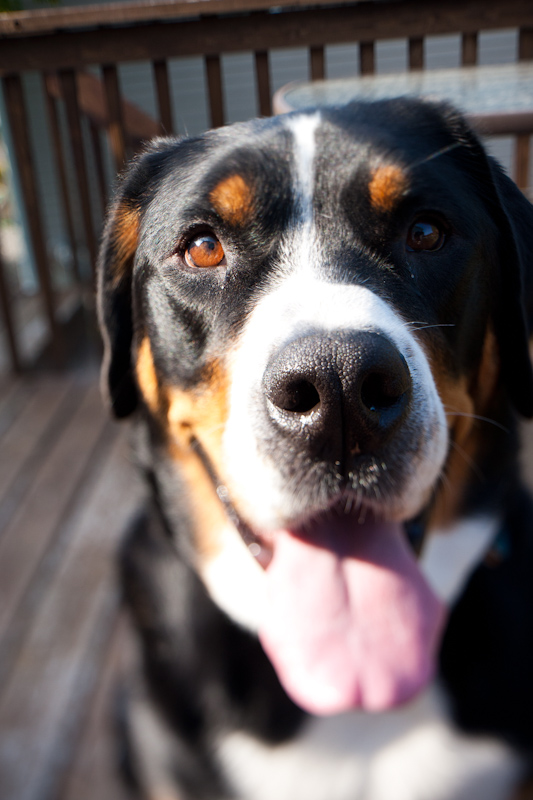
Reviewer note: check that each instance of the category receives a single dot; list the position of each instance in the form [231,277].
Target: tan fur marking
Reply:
[201,415]
[146,375]
[386,187]
[461,401]
[458,406]
[233,199]
[488,373]
[126,237]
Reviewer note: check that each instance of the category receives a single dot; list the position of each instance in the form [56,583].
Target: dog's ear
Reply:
[513,216]
[514,309]
[115,267]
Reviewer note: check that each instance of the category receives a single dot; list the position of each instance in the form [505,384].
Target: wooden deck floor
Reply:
[67,490]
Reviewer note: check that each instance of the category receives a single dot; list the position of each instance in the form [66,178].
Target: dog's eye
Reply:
[204,251]
[425,234]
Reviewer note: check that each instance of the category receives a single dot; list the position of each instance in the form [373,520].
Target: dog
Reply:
[319,325]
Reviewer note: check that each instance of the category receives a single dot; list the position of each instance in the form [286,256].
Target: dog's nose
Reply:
[338,394]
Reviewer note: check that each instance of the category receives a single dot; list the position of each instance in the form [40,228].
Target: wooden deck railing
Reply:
[62,44]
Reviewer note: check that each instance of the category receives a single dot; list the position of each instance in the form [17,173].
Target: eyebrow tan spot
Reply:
[232,198]
[146,375]
[387,186]
[126,237]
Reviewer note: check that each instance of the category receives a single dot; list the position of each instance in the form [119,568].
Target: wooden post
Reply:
[262,77]
[523,140]
[214,86]
[7,313]
[69,90]
[367,59]
[163,97]
[317,63]
[53,122]
[18,123]
[99,163]
[469,49]
[416,53]
[117,135]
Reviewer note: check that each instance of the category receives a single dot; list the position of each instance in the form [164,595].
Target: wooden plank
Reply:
[6,304]
[494,14]
[53,123]
[214,90]
[7,383]
[18,123]
[164,103]
[69,90]
[416,53]
[117,137]
[12,403]
[367,58]
[26,538]
[316,58]
[469,49]
[94,771]
[298,28]
[22,441]
[43,705]
[262,78]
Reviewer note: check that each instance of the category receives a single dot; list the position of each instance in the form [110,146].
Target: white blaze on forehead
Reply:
[303,129]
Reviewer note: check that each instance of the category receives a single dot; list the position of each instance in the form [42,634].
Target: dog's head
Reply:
[311,313]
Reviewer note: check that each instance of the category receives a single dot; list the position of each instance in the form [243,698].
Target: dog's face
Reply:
[310,312]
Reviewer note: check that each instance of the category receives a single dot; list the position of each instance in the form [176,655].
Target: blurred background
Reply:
[83,85]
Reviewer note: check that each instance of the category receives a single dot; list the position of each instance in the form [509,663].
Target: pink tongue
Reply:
[351,621]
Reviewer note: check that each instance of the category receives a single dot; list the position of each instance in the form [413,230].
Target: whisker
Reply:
[422,326]
[452,412]
[436,154]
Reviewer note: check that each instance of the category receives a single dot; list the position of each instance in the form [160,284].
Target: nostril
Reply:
[381,391]
[298,397]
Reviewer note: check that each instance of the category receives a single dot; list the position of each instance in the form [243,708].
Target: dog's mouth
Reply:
[350,621]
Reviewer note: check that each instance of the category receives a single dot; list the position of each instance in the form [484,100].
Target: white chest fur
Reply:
[413,753]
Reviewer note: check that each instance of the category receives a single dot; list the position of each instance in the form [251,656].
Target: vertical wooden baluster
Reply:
[117,137]
[164,102]
[53,121]
[214,86]
[367,59]
[416,53]
[18,123]
[7,313]
[469,49]
[69,91]
[99,163]
[316,55]
[523,140]
[262,77]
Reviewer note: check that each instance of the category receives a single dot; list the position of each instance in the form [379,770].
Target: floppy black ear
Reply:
[514,310]
[115,266]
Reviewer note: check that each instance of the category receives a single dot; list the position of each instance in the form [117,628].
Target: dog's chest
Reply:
[410,754]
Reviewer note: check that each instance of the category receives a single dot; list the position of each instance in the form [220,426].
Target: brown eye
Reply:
[425,235]
[204,251]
